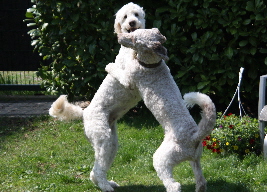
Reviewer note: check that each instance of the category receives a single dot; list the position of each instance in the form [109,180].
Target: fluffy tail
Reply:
[64,110]
[208,113]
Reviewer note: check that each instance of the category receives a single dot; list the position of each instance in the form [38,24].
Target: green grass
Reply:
[19,77]
[42,154]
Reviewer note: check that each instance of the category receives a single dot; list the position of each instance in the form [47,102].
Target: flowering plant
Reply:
[234,135]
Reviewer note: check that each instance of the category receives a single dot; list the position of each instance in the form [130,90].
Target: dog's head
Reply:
[129,18]
[145,41]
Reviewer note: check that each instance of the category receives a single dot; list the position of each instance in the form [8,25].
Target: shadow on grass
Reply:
[140,188]
[222,185]
[139,117]
[213,186]
[14,125]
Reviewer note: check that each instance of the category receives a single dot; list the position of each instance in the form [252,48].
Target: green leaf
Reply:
[263,50]
[246,21]
[162,9]
[157,23]
[259,17]
[253,41]
[214,57]
[229,52]
[195,57]
[201,85]
[250,6]
[44,26]
[243,43]
[253,50]
[194,36]
[29,15]
[74,17]
[265,61]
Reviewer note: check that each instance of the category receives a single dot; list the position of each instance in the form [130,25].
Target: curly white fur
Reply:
[129,18]
[161,95]
[111,102]
[64,110]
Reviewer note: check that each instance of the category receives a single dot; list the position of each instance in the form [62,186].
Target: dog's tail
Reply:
[64,110]
[208,113]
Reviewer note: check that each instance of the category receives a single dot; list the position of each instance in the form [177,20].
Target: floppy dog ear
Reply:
[160,50]
[126,39]
[117,26]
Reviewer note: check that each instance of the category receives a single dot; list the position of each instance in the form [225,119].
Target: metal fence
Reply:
[17,59]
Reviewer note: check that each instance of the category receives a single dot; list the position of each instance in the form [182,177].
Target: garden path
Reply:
[25,106]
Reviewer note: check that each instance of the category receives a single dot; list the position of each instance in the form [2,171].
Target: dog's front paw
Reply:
[110,67]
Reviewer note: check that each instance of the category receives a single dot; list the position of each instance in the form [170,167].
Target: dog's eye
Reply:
[125,17]
[136,14]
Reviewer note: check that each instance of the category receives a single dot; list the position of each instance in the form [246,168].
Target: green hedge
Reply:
[77,37]
[207,41]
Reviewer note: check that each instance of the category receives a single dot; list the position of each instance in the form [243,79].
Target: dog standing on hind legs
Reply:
[111,102]
[147,72]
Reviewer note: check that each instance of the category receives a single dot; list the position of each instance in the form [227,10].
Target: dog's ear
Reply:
[126,39]
[117,27]
[160,50]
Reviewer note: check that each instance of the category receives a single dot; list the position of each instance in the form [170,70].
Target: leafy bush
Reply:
[78,40]
[234,135]
[207,41]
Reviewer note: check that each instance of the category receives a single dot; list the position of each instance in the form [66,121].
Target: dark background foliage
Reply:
[207,41]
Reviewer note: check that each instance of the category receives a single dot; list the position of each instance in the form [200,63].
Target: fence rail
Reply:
[17,59]
[20,81]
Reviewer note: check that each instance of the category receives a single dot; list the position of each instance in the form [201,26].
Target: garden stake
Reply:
[238,96]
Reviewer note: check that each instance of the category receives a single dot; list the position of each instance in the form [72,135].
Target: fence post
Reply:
[262,97]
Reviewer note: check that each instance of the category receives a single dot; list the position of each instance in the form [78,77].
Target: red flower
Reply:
[209,147]
[204,143]
[216,150]
[251,141]
[207,138]
[231,126]
[230,114]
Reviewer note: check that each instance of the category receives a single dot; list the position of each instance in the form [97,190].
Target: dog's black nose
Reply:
[132,23]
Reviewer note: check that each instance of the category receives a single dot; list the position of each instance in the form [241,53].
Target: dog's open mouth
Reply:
[132,29]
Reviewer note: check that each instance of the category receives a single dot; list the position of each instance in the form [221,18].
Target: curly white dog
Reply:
[111,102]
[148,73]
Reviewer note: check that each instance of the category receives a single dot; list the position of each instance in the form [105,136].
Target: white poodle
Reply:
[148,73]
[101,115]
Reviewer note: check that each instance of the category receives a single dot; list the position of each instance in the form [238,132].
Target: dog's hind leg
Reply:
[105,145]
[195,164]
[163,163]
[200,179]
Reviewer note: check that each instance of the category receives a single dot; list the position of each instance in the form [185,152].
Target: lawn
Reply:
[43,154]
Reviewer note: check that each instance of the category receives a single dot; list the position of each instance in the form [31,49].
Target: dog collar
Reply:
[153,65]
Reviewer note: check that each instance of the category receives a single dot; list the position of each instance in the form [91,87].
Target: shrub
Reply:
[207,41]
[77,38]
[234,135]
